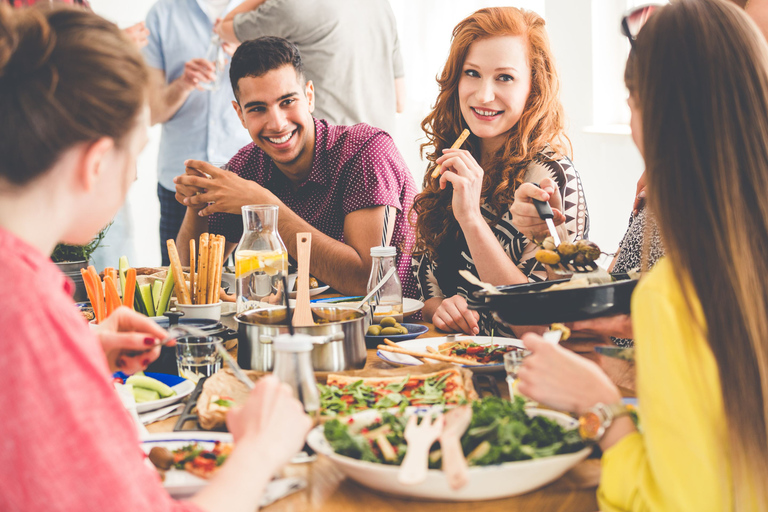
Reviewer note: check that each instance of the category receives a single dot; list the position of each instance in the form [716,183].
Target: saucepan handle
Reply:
[324,340]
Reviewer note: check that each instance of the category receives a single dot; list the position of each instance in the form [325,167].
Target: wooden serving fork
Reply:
[454,463]
[420,438]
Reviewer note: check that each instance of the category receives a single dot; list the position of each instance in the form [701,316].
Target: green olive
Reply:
[403,330]
[547,257]
[374,330]
[388,321]
[390,331]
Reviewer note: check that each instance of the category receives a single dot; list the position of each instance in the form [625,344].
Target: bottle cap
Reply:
[387,250]
[292,343]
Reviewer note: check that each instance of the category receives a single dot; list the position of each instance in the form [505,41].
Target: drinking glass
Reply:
[513,360]
[197,357]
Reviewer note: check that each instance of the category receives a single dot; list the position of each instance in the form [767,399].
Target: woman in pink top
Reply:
[73,105]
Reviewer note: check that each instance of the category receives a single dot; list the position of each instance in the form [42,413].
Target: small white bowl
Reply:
[208,311]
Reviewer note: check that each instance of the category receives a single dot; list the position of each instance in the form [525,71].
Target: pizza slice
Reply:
[201,462]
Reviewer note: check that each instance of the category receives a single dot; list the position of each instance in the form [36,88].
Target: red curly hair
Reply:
[540,124]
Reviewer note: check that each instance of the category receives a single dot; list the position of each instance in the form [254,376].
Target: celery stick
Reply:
[157,289]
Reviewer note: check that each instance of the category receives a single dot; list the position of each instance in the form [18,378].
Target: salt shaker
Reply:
[293,366]
[215,54]
[388,301]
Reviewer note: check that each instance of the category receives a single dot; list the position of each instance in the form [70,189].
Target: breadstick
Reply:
[182,293]
[220,266]
[456,145]
[393,344]
[202,269]
[192,273]
[437,357]
[213,250]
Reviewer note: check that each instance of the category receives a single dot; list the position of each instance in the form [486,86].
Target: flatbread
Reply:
[455,387]
[221,385]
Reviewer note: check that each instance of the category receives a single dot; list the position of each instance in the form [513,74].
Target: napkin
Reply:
[280,488]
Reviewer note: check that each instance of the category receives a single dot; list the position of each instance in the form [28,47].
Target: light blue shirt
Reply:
[206,127]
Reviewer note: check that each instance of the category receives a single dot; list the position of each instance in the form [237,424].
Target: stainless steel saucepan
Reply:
[339,338]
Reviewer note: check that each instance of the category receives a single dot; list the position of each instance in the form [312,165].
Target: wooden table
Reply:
[329,491]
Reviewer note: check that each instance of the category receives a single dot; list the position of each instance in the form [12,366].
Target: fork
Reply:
[420,438]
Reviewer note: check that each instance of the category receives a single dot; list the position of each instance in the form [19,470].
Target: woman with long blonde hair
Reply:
[499,82]
[699,101]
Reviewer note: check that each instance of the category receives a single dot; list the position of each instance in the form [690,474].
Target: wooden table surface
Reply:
[329,491]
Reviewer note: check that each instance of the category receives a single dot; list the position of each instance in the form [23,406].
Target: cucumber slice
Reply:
[146,297]
[157,290]
[122,267]
[144,395]
[142,381]
[138,301]
[165,296]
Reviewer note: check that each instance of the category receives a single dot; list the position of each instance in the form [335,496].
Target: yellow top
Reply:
[680,461]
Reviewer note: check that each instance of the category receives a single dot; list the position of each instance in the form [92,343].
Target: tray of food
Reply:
[566,300]
[509,449]
[482,354]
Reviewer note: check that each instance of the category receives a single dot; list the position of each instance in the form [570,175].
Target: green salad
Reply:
[500,431]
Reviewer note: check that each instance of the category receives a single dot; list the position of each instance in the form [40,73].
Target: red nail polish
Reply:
[149,341]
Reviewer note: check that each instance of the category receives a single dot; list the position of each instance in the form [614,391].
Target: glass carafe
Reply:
[388,301]
[261,259]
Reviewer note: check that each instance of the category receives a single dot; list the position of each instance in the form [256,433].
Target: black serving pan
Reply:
[532,304]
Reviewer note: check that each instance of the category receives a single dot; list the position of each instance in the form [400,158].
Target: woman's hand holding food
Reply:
[208,190]
[561,379]
[453,315]
[272,418]
[526,218]
[461,170]
[130,341]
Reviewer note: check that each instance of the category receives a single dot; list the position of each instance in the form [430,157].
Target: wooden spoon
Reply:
[302,313]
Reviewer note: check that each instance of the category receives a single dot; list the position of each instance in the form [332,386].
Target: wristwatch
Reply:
[597,419]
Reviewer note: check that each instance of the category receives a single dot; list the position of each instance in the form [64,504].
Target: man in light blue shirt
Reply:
[197,124]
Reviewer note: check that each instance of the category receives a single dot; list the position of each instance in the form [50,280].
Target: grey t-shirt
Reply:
[350,51]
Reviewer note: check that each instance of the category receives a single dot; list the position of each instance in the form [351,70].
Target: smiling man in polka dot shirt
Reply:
[333,181]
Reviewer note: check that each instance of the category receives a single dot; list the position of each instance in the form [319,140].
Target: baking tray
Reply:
[532,304]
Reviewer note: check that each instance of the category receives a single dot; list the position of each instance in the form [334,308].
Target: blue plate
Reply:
[414,331]
[165,378]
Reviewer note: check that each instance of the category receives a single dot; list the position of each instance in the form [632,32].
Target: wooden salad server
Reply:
[302,313]
[420,438]
[454,463]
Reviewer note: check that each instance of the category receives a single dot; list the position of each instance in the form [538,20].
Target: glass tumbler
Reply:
[197,356]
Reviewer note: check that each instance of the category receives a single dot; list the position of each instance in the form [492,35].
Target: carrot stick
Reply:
[130,287]
[90,288]
[110,292]
[101,315]
[192,273]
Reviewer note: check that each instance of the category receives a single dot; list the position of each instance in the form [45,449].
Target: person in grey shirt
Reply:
[350,51]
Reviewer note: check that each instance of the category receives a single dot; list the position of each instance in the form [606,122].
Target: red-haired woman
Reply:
[500,82]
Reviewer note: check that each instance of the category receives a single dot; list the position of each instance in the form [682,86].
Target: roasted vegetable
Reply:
[547,257]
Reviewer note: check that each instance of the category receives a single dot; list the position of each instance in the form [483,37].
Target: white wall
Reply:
[581,35]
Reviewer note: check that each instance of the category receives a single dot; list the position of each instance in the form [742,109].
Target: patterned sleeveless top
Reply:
[443,280]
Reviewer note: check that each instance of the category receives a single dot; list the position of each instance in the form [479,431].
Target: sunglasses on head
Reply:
[635,19]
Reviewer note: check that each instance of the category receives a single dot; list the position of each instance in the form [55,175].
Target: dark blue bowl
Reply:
[414,331]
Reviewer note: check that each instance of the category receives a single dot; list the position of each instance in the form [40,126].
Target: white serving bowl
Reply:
[485,483]
[207,311]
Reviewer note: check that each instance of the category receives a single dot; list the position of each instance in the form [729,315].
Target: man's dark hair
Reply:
[259,56]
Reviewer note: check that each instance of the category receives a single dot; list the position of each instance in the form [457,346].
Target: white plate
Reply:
[312,291]
[182,389]
[411,306]
[485,483]
[420,345]
[178,482]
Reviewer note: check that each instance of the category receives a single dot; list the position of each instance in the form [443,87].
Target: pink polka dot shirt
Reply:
[355,167]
